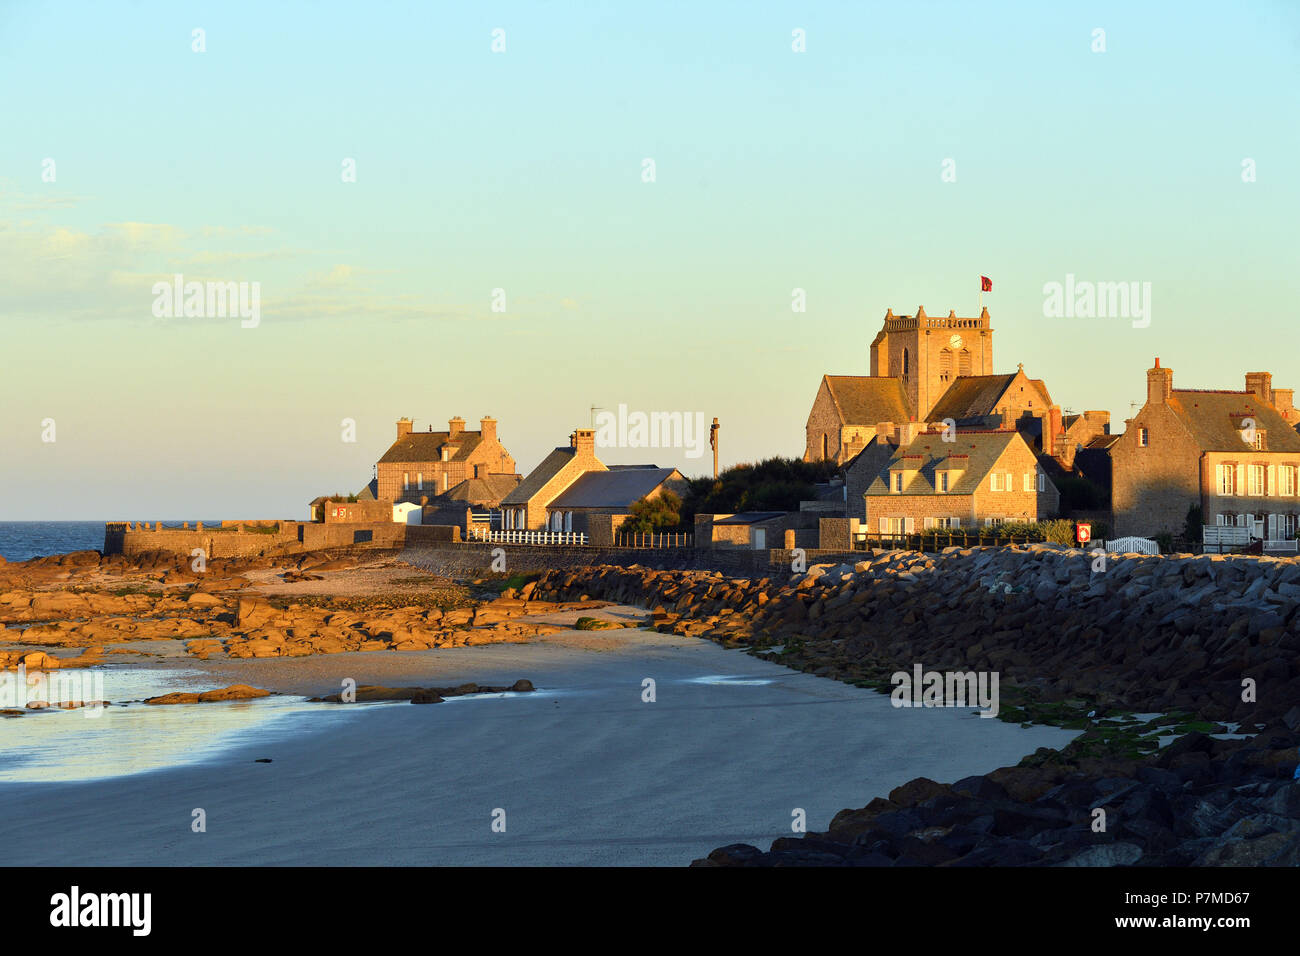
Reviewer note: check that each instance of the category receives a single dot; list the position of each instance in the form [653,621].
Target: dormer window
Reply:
[943,481]
[898,481]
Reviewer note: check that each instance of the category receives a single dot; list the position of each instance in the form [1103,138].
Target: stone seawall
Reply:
[1146,633]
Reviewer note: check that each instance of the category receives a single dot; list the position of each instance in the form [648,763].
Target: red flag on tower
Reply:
[986,284]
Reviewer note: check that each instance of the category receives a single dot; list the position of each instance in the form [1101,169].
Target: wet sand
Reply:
[585,771]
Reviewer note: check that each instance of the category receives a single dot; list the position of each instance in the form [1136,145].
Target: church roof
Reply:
[971,396]
[868,399]
[1215,420]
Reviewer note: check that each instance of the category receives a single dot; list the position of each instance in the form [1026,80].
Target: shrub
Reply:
[661,513]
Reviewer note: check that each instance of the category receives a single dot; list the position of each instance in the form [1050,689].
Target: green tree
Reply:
[660,513]
[774,484]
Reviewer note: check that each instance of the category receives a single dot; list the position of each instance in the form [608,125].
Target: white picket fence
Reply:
[527,537]
[1131,545]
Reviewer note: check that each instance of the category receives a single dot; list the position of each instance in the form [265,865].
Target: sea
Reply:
[20,540]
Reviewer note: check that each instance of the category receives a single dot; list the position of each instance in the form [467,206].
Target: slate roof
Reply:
[539,476]
[871,459]
[750,517]
[427,446]
[370,492]
[1214,419]
[868,399]
[486,491]
[976,452]
[616,488]
[971,396]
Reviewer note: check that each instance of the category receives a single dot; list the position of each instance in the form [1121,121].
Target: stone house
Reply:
[921,481]
[571,484]
[1233,454]
[426,464]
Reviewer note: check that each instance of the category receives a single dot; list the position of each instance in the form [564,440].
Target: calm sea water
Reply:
[20,540]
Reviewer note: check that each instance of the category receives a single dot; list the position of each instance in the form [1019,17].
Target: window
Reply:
[993,522]
[444,481]
[1009,485]
[954,522]
[943,481]
[945,365]
[406,481]
[898,481]
[1255,480]
[1259,440]
[824,448]
[1042,482]
[1225,476]
[1286,480]
[905,363]
[927,522]
[1144,438]
[996,481]
[1223,520]
[1029,481]
[419,480]
[1288,526]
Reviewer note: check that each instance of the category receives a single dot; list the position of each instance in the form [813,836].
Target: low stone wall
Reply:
[287,537]
[1139,632]
[473,558]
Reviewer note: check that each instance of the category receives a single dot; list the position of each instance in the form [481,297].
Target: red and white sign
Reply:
[1083,531]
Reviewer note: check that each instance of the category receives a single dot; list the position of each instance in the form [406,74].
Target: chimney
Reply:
[1260,384]
[404,426]
[909,431]
[454,427]
[885,432]
[488,428]
[1284,400]
[583,440]
[1160,384]
[1054,417]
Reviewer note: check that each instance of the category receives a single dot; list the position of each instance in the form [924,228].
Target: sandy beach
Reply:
[586,772]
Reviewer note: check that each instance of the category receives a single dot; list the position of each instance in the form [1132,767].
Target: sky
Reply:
[906,150]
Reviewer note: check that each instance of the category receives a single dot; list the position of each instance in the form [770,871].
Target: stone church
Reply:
[931,370]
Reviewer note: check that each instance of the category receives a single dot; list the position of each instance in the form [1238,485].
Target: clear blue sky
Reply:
[522,171]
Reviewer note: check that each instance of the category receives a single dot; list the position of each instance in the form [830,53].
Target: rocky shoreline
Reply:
[1076,644]
[247,608]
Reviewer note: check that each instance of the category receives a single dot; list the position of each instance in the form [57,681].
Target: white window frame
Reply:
[996,481]
[1029,481]
[406,481]
[1226,476]
[1255,481]
[943,482]
[1144,438]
